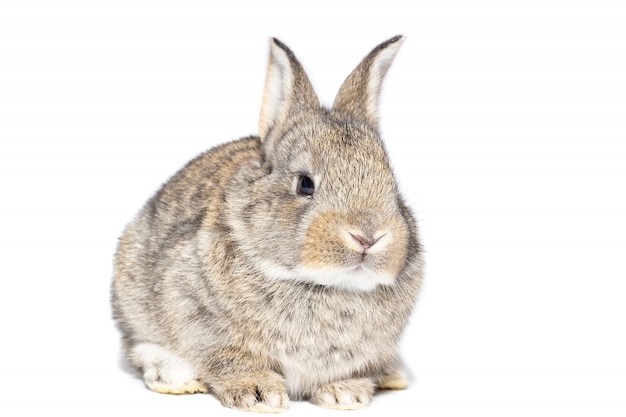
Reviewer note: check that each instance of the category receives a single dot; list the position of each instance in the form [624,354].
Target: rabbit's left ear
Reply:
[287,89]
[359,94]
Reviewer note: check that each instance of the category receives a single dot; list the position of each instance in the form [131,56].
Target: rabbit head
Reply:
[322,205]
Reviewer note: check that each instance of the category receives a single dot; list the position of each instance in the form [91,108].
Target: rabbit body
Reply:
[278,266]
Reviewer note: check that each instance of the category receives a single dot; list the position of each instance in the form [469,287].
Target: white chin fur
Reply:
[363,280]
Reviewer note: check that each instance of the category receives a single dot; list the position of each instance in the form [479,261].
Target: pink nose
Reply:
[365,244]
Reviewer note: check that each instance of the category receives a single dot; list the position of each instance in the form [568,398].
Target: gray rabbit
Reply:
[277,266]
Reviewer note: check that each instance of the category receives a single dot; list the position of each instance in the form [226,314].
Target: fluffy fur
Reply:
[232,281]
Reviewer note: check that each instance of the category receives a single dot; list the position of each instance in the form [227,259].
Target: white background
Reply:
[506,123]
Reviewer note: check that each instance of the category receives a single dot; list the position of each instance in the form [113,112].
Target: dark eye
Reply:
[305,185]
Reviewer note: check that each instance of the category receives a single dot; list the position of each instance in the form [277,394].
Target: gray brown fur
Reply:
[219,282]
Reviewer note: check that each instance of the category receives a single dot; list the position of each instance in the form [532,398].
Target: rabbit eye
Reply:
[305,186]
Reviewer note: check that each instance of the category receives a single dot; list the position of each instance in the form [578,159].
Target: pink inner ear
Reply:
[277,92]
[287,89]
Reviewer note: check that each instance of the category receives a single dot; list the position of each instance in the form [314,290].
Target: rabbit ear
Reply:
[359,93]
[287,88]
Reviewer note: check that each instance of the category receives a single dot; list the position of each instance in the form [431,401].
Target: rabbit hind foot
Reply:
[164,371]
[394,381]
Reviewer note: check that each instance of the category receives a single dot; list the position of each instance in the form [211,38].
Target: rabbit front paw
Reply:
[349,394]
[262,392]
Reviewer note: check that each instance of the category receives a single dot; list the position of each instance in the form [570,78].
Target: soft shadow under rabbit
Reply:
[279,266]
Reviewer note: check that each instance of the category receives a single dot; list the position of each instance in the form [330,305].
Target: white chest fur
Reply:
[307,369]
[304,375]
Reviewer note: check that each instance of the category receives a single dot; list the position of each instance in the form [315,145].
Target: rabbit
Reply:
[280,266]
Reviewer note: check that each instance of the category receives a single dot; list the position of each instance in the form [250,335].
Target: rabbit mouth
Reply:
[362,264]
[350,268]
[360,276]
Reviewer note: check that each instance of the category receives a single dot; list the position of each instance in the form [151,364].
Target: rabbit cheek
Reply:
[394,248]
[323,247]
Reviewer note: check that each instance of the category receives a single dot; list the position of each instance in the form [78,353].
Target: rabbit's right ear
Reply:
[287,89]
